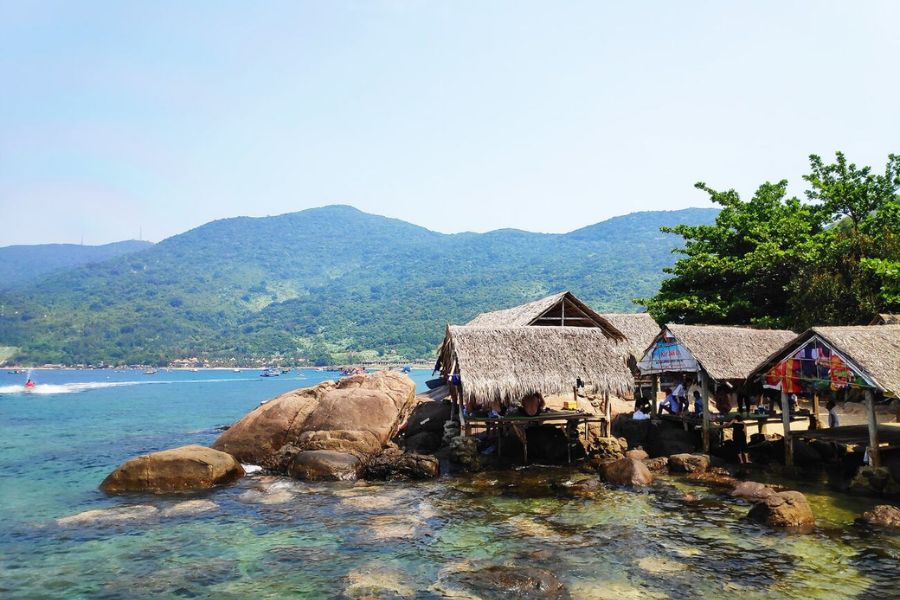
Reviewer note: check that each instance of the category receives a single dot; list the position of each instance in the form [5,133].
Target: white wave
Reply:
[45,389]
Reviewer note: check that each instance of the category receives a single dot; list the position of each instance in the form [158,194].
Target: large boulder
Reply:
[667,438]
[783,509]
[325,465]
[636,432]
[430,416]
[752,490]
[258,436]
[357,415]
[882,515]
[874,482]
[626,471]
[688,463]
[637,454]
[395,465]
[660,464]
[177,470]
[424,442]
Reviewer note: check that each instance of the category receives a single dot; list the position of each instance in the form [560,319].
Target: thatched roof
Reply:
[508,363]
[728,353]
[886,319]
[556,310]
[639,329]
[873,351]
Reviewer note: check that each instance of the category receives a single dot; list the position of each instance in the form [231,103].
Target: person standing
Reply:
[833,418]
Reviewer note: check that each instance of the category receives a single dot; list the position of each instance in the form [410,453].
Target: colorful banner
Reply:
[813,365]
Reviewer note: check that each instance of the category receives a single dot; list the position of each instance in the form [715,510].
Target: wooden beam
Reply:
[704,393]
[786,422]
[815,408]
[562,316]
[874,454]
[608,411]
[653,396]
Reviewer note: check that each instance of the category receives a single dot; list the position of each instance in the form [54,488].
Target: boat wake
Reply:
[47,389]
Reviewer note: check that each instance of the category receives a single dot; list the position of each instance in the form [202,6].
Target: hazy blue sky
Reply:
[452,115]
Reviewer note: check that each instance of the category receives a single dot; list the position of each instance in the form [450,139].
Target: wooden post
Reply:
[704,394]
[608,410]
[815,408]
[654,393]
[786,421]
[874,454]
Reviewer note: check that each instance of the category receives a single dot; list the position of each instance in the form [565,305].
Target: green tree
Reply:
[779,261]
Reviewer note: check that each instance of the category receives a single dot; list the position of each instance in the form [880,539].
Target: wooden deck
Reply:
[854,434]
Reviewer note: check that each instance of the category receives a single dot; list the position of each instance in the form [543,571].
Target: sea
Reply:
[272,537]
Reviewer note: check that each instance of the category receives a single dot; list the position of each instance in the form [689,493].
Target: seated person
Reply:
[698,403]
[671,403]
[532,405]
[642,414]
[723,403]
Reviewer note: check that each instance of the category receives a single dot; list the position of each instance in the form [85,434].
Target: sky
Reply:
[121,120]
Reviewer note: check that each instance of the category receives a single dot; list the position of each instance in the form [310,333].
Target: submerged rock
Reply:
[657,465]
[715,476]
[523,582]
[688,463]
[751,490]
[106,516]
[626,471]
[882,515]
[783,509]
[180,469]
[188,507]
[325,465]
[395,465]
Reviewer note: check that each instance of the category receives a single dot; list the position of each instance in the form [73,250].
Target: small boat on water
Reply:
[270,373]
[406,369]
[286,370]
[150,372]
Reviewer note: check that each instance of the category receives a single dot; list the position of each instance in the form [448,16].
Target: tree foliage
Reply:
[779,261]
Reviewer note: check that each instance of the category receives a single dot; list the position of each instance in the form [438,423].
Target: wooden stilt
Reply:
[704,394]
[815,408]
[608,411]
[786,421]
[654,395]
[874,454]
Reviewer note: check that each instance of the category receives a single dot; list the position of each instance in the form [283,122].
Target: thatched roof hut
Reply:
[873,354]
[639,329]
[885,319]
[559,310]
[507,363]
[725,353]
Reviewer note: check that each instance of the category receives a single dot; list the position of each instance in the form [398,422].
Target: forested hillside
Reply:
[20,265]
[327,284]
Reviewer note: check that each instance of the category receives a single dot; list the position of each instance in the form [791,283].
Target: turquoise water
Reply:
[270,538]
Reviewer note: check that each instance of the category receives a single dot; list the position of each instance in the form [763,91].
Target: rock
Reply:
[390,466]
[626,471]
[783,509]
[428,416]
[882,515]
[451,430]
[524,582]
[715,476]
[464,453]
[637,454]
[636,433]
[261,433]
[667,438]
[805,454]
[357,415]
[107,516]
[180,469]
[548,443]
[424,442]
[752,490]
[657,465]
[874,481]
[688,463]
[188,507]
[607,447]
[325,465]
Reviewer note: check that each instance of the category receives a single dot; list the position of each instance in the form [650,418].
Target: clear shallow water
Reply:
[272,538]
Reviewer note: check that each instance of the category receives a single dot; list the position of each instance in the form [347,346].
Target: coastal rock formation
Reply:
[783,509]
[659,464]
[325,465]
[188,507]
[108,516]
[626,471]
[464,453]
[668,438]
[716,476]
[637,454]
[424,442]
[875,482]
[177,470]
[882,515]
[395,465]
[430,416]
[608,447]
[688,463]
[751,490]
[302,431]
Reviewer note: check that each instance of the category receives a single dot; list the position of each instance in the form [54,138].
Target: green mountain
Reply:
[326,284]
[21,265]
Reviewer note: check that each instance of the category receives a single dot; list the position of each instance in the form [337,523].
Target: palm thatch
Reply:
[874,352]
[505,364]
[562,309]
[639,329]
[729,353]
[886,319]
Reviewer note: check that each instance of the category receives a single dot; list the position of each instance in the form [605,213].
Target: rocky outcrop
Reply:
[657,465]
[667,438]
[783,509]
[751,490]
[874,482]
[395,465]
[626,471]
[882,515]
[325,465]
[302,432]
[177,470]
[464,453]
[608,447]
[637,454]
[428,416]
[688,463]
